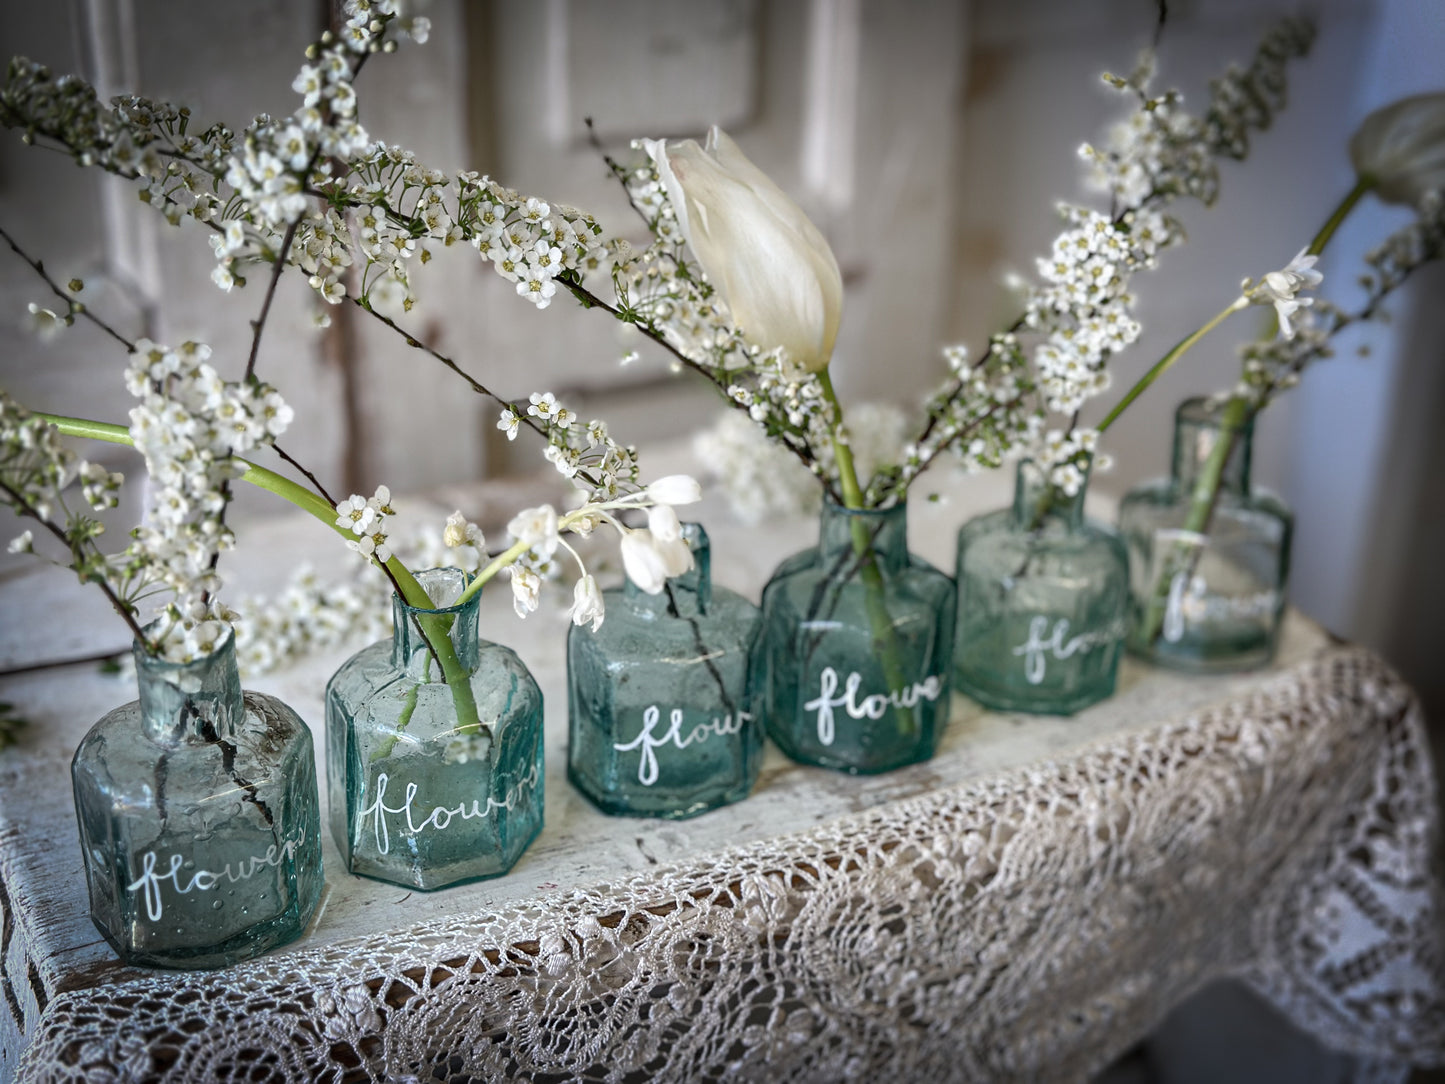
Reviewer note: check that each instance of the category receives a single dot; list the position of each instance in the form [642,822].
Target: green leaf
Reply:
[11,724]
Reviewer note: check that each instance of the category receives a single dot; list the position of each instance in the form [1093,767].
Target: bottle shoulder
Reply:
[998,539]
[633,635]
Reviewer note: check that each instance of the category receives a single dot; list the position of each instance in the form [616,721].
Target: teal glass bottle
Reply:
[852,669]
[200,823]
[1043,598]
[433,783]
[658,718]
[1213,599]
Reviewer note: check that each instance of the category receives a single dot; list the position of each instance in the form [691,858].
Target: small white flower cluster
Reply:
[249,190]
[1073,452]
[1082,312]
[650,555]
[190,426]
[985,412]
[404,210]
[1274,366]
[762,480]
[35,469]
[365,518]
[585,454]
[1162,150]
[308,616]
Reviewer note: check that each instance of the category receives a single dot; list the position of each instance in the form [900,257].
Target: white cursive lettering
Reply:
[202,880]
[872,707]
[649,742]
[1189,600]
[1038,647]
[441,816]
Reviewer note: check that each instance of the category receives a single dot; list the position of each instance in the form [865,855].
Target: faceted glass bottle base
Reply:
[658,718]
[1210,602]
[1042,603]
[200,855]
[429,785]
[853,667]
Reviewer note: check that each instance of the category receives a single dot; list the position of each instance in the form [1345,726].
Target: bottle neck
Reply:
[1197,432]
[688,595]
[412,625]
[855,531]
[1038,503]
[199,699]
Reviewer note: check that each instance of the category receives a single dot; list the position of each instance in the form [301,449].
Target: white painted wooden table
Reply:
[1179,818]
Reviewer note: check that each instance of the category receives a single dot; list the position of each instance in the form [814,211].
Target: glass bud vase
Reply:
[433,782]
[1042,602]
[852,669]
[656,697]
[1212,599]
[200,823]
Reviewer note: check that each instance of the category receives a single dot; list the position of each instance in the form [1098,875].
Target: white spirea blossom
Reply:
[1081,312]
[309,615]
[586,455]
[365,518]
[762,480]
[191,426]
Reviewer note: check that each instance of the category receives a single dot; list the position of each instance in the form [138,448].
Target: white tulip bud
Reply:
[769,263]
[1402,148]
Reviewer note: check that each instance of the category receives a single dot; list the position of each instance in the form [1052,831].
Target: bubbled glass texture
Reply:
[418,795]
[199,818]
[659,724]
[852,670]
[1042,603]
[1210,601]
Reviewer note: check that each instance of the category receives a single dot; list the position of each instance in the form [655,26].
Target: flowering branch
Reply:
[82,560]
[74,308]
[1083,310]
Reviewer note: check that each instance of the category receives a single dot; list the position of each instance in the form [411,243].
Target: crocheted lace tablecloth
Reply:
[1025,906]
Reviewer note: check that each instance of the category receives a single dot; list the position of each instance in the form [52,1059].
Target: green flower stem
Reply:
[1364,184]
[847,472]
[1185,556]
[435,627]
[1167,361]
[501,561]
[1186,553]
[884,636]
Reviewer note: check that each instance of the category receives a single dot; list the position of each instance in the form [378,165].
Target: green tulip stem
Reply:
[435,627]
[885,638]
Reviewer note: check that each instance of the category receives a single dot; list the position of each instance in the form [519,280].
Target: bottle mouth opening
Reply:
[832,504]
[159,664]
[443,586]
